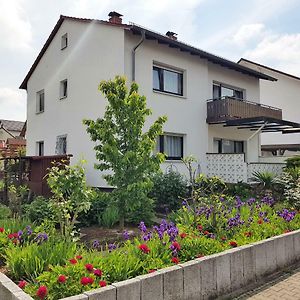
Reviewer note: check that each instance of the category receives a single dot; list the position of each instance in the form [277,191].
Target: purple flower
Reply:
[41,237]
[29,230]
[96,244]
[286,214]
[126,235]
[112,247]
[147,237]
[142,227]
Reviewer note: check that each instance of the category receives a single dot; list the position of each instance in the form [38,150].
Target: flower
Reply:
[78,257]
[112,247]
[42,292]
[1,229]
[199,255]
[73,261]
[175,260]
[96,244]
[98,272]
[22,284]
[183,235]
[142,227]
[102,283]
[86,280]
[61,279]
[248,233]
[89,267]
[200,228]
[144,248]
[206,232]
[223,238]
[12,235]
[175,246]
[126,235]
[286,231]
[152,270]
[260,221]
[233,244]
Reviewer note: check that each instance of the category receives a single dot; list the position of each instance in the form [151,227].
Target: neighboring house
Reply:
[177,79]
[9,129]
[282,93]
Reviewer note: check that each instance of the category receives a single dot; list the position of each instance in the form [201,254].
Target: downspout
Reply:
[133,54]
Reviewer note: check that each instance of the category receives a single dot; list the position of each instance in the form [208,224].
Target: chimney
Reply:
[115,17]
[172,35]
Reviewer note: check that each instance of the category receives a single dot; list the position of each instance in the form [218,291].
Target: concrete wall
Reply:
[226,273]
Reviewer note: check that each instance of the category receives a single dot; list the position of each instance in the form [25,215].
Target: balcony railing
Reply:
[229,108]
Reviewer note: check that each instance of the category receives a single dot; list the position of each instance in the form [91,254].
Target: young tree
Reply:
[123,147]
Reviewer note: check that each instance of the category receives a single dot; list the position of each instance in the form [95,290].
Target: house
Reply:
[203,95]
[284,92]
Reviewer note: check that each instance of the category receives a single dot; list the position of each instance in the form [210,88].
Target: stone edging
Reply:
[208,277]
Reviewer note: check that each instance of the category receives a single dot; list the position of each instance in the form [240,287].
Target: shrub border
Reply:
[209,277]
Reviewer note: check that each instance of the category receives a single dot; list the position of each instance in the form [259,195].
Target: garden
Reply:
[177,219]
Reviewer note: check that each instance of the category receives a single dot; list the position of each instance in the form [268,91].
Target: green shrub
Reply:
[38,210]
[5,212]
[1,185]
[293,162]
[142,212]
[241,189]
[168,190]
[109,217]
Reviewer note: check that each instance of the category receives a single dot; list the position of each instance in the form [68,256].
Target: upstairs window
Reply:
[171,146]
[63,89]
[220,90]
[40,148]
[167,81]
[61,145]
[64,41]
[40,101]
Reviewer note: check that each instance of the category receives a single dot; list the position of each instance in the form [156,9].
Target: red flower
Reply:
[144,248]
[22,284]
[183,235]
[1,229]
[152,270]
[223,238]
[200,255]
[200,228]
[42,292]
[89,267]
[286,231]
[10,236]
[73,261]
[79,257]
[175,246]
[260,221]
[175,260]
[98,272]
[206,232]
[61,278]
[233,244]
[102,283]
[248,233]
[86,280]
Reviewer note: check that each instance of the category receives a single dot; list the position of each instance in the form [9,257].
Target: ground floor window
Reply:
[229,146]
[61,145]
[171,145]
[40,148]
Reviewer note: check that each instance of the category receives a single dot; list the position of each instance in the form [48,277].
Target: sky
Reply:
[266,31]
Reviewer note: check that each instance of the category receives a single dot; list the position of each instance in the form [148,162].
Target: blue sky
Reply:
[266,31]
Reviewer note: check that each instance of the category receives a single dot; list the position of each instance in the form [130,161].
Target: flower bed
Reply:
[199,231]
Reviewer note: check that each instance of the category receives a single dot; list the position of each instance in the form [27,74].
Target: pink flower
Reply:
[79,257]
[98,272]
[61,278]
[22,284]
[102,283]
[1,229]
[73,261]
[89,267]
[86,280]
[42,292]
[144,248]
[175,260]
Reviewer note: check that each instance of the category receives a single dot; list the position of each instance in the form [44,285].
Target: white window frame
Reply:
[57,146]
[161,145]
[38,101]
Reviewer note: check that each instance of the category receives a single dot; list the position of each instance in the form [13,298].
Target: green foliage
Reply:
[109,217]
[168,190]
[123,147]
[38,210]
[71,195]
[293,162]
[265,179]
[5,212]
[17,195]
[241,189]
[1,185]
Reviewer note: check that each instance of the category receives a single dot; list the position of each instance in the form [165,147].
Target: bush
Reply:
[293,162]
[168,190]
[38,210]
[109,217]
[5,212]
[241,189]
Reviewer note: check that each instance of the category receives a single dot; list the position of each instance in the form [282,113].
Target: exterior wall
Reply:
[284,94]
[95,52]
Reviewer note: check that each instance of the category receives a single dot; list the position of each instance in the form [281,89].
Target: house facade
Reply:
[184,83]
[284,92]
[9,131]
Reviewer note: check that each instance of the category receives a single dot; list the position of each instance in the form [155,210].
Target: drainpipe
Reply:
[255,133]
[133,54]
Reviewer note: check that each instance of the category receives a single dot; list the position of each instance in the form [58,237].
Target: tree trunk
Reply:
[121,222]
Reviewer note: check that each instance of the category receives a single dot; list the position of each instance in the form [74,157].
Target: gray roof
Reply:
[11,125]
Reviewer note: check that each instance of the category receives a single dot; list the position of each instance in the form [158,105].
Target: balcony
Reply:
[228,108]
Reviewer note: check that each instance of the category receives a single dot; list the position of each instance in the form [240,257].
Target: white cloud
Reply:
[12,103]
[249,33]
[15,29]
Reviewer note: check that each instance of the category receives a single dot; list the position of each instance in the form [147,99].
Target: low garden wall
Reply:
[203,278]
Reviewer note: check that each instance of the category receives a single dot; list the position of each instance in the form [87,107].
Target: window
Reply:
[220,90]
[64,41]
[61,145]
[40,101]
[63,89]
[40,148]
[229,146]
[167,81]
[171,145]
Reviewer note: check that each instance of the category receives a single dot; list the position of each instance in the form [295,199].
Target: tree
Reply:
[123,148]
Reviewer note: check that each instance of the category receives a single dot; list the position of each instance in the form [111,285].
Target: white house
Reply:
[177,79]
[282,93]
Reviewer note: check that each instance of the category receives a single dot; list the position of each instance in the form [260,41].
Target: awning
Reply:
[265,124]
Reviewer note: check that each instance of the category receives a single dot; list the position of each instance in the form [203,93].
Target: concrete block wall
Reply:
[203,278]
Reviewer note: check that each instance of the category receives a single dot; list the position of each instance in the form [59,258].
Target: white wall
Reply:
[283,94]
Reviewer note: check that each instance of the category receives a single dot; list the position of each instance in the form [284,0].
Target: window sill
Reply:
[62,98]
[173,161]
[64,47]
[169,94]
[39,112]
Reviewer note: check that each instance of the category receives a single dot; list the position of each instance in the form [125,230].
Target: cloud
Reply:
[249,33]
[12,103]
[279,51]
[15,29]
